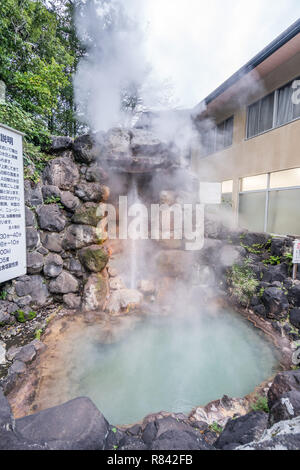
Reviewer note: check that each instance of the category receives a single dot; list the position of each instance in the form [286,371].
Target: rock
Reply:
[85,149]
[242,430]
[33,286]
[6,319]
[26,354]
[72,300]
[6,311]
[252,238]
[79,236]
[294,295]
[50,191]
[149,433]
[284,382]
[92,192]
[75,425]
[94,258]
[88,214]
[60,143]
[96,174]
[147,287]
[32,238]
[53,265]
[178,440]
[51,218]
[124,300]
[74,266]
[295,317]
[260,311]
[6,418]
[275,302]
[15,372]
[277,273]
[132,443]
[287,407]
[35,262]
[95,293]
[277,246]
[61,172]
[69,201]
[282,436]
[12,352]
[29,217]
[52,241]
[2,353]
[174,262]
[65,283]
[33,193]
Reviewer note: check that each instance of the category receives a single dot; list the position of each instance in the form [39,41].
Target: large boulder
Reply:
[75,425]
[295,317]
[69,201]
[34,287]
[79,236]
[51,218]
[60,144]
[92,192]
[88,214]
[180,440]
[35,262]
[287,407]
[277,273]
[85,149]
[32,238]
[53,265]
[95,292]
[282,436]
[61,172]
[284,382]
[65,283]
[275,302]
[294,294]
[94,258]
[242,430]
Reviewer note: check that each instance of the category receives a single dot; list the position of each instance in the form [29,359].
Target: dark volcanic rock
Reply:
[275,302]
[149,433]
[69,201]
[79,236]
[294,295]
[53,265]
[94,258]
[75,425]
[52,241]
[88,214]
[51,218]
[284,382]
[26,354]
[295,317]
[72,300]
[92,192]
[29,217]
[50,191]
[96,174]
[180,440]
[60,143]
[277,273]
[85,149]
[33,193]
[287,407]
[242,430]
[61,172]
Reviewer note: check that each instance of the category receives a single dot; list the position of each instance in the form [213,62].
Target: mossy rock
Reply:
[23,317]
[94,258]
[88,214]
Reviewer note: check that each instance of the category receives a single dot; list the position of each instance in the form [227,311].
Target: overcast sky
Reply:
[200,43]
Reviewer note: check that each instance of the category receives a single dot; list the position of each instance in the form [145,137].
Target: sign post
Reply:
[12,207]
[296,258]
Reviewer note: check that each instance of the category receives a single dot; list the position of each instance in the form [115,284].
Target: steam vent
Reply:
[127,151]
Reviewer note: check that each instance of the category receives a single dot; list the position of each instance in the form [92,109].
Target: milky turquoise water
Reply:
[170,364]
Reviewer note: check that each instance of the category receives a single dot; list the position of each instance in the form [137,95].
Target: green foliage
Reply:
[243,282]
[53,200]
[260,404]
[273,260]
[3,295]
[256,248]
[215,427]
[21,317]
[38,334]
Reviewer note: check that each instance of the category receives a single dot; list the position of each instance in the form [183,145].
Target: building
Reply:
[250,128]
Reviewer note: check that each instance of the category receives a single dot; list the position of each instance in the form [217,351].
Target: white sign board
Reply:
[12,209]
[210,193]
[296,255]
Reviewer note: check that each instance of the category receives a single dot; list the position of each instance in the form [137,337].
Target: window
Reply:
[254,183]
[218,137]
[260,116]
[278,108]
[270,202]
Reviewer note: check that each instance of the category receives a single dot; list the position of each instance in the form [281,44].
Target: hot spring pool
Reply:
[170,364]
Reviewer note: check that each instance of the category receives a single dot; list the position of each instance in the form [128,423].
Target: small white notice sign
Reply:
[296,255]
[12,209]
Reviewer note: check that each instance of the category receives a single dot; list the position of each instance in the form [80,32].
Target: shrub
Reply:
[243,282]
[260,404]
